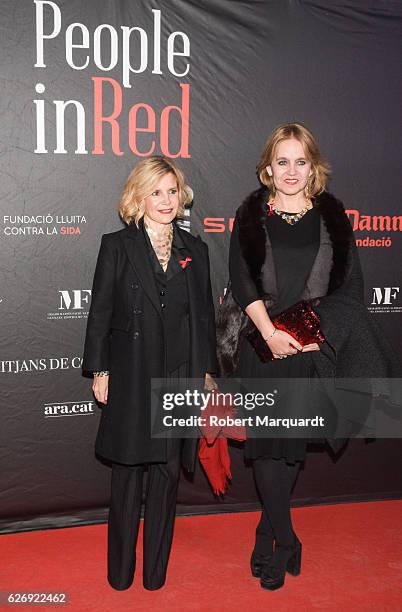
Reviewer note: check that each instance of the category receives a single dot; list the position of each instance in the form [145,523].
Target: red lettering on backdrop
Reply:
[214,224]
[133,128]
[99,119]
[184,113]
[358,222]
[217,224]
[69,230]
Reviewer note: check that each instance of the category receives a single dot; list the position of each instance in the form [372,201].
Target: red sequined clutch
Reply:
[300,321]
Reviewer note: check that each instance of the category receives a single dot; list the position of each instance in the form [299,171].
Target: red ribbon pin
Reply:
[184,262]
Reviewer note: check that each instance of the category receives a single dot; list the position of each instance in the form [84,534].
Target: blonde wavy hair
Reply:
[320,169]
[142,181]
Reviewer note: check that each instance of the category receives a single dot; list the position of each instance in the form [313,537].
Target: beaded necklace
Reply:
[161,243]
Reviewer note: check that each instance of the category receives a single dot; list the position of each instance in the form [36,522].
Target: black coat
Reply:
[355,344]
[125,335]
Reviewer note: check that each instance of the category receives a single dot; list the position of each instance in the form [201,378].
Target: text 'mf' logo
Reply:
[384,295]
[76,299]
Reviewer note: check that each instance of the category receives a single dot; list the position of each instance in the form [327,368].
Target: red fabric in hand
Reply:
[213,451]
[215,459]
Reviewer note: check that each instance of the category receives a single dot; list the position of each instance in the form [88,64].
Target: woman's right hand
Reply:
[311,347]
[100,388]
[283,344]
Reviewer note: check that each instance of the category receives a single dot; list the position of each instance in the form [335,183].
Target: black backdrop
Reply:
[244,68]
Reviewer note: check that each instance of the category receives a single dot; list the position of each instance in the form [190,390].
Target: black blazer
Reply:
[125,336]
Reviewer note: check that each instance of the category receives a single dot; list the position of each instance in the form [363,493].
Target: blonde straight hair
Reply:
[142,181]
[320,168]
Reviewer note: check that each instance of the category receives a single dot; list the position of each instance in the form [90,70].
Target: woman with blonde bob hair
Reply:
[151,316]
[142,181]
[293,253]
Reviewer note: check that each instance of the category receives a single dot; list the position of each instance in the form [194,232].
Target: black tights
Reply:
[275,480]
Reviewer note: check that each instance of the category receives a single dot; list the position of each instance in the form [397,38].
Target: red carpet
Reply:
[352,560]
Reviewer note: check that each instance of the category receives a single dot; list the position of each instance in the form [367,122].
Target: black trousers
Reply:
[159,516]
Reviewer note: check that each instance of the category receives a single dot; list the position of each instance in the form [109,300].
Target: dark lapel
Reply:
[318,279]
[137,253]
[178,254]
[339,233]
[193,271]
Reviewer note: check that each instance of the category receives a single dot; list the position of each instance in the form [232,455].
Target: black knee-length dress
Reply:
[294,249]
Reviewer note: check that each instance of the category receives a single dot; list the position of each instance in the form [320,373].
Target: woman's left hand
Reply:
[210,383]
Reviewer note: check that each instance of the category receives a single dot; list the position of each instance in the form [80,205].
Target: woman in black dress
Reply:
[151,316]
[294,233]
[292,241]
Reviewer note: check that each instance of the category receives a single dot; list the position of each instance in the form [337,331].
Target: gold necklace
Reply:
[290,218]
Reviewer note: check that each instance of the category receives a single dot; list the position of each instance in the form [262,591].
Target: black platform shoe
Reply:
[285,559]
[257,562]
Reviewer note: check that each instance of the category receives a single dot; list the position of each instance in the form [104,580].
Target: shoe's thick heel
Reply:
[294,563]
[256,571]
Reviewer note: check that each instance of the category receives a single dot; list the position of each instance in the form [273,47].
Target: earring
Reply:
[307,188]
